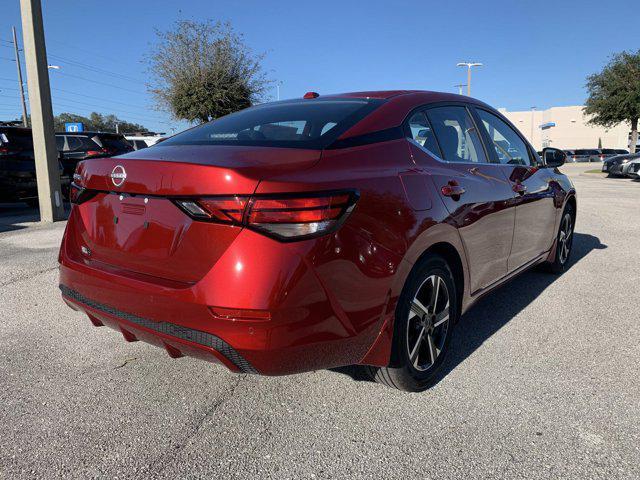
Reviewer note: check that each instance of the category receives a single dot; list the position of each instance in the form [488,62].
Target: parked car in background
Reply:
[137,144]
[142,141]
[77,146]
[613,165]
[570,155]
[632,168]
[18,167]
[606,153]
[620,151]
[316,233]
[585,155]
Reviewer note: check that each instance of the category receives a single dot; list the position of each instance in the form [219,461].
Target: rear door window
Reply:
[457,134]
[311,124]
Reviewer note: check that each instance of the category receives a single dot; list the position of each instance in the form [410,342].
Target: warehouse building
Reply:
[566,128]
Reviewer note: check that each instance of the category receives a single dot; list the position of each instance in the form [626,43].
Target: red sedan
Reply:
[316,233]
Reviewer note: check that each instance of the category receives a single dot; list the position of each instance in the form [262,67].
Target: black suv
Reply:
[77,146]
[18,167]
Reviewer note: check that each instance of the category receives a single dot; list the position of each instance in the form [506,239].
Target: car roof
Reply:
[6,128]
[397,104]
[89,133]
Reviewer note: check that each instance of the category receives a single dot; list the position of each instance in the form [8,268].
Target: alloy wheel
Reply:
[428,323]
[564,240]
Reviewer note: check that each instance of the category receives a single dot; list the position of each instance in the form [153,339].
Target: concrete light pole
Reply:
[469,65]
[533,109]
[20,83]
[44,142]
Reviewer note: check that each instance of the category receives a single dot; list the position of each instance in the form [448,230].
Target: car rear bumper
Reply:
[306,321]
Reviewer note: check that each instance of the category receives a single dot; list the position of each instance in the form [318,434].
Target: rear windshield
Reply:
[608,150]
[310,124]
[18,139]
[587,152]
[115,142]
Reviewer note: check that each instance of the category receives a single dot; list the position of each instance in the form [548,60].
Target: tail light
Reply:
[97,153]
[77,191]
[4,151]
[602,157]
[285,217]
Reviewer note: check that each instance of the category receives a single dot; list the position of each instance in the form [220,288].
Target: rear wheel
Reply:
[564,241]
[426,313]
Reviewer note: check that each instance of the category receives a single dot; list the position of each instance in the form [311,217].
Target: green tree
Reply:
[614,94]
[97,122]
[203,71]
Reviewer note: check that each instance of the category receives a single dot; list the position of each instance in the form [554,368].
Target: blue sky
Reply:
[535,52]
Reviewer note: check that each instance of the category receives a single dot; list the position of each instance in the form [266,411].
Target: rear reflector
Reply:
[240,314]
[290,217]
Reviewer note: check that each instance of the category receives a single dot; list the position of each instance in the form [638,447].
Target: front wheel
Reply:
[425,315]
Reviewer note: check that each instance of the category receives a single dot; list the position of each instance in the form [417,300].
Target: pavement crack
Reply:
[126,361]
[27,277]
[162,461]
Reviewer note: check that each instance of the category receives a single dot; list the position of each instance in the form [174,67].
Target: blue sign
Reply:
[74,127]
[544,126]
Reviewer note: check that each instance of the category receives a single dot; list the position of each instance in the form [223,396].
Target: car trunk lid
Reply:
[132,223]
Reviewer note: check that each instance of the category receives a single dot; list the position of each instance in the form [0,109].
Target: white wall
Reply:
[571,130]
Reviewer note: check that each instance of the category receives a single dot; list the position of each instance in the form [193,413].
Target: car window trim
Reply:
[489,141]
[429,106]
[406,129]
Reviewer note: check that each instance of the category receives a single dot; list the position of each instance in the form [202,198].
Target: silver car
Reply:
[632,169]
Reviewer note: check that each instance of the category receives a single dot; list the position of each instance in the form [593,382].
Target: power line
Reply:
[92,53]
[94,105]
[98,98]
[95,69]
[101,83]
[134,117]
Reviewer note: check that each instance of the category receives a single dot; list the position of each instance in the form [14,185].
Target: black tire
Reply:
[411,374]
[561,259]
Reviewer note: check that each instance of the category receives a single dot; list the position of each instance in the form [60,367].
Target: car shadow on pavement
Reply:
[494,311]
[15,216]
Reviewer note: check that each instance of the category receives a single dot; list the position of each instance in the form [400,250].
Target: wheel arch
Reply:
[444,241]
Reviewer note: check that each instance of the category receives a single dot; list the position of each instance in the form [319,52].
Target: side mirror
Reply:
[553,157]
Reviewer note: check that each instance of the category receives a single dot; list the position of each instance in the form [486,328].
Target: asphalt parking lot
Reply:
[542,382]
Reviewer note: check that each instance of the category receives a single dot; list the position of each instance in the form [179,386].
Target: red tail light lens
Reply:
[215,209]
[97,153]
[286,218]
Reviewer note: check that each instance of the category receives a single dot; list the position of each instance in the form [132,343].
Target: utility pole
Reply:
[21,87]
[44,142]
[117,128]
[469,65]
[459,86]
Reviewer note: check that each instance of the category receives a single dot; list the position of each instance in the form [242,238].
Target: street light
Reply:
[459,87]
[469,65]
